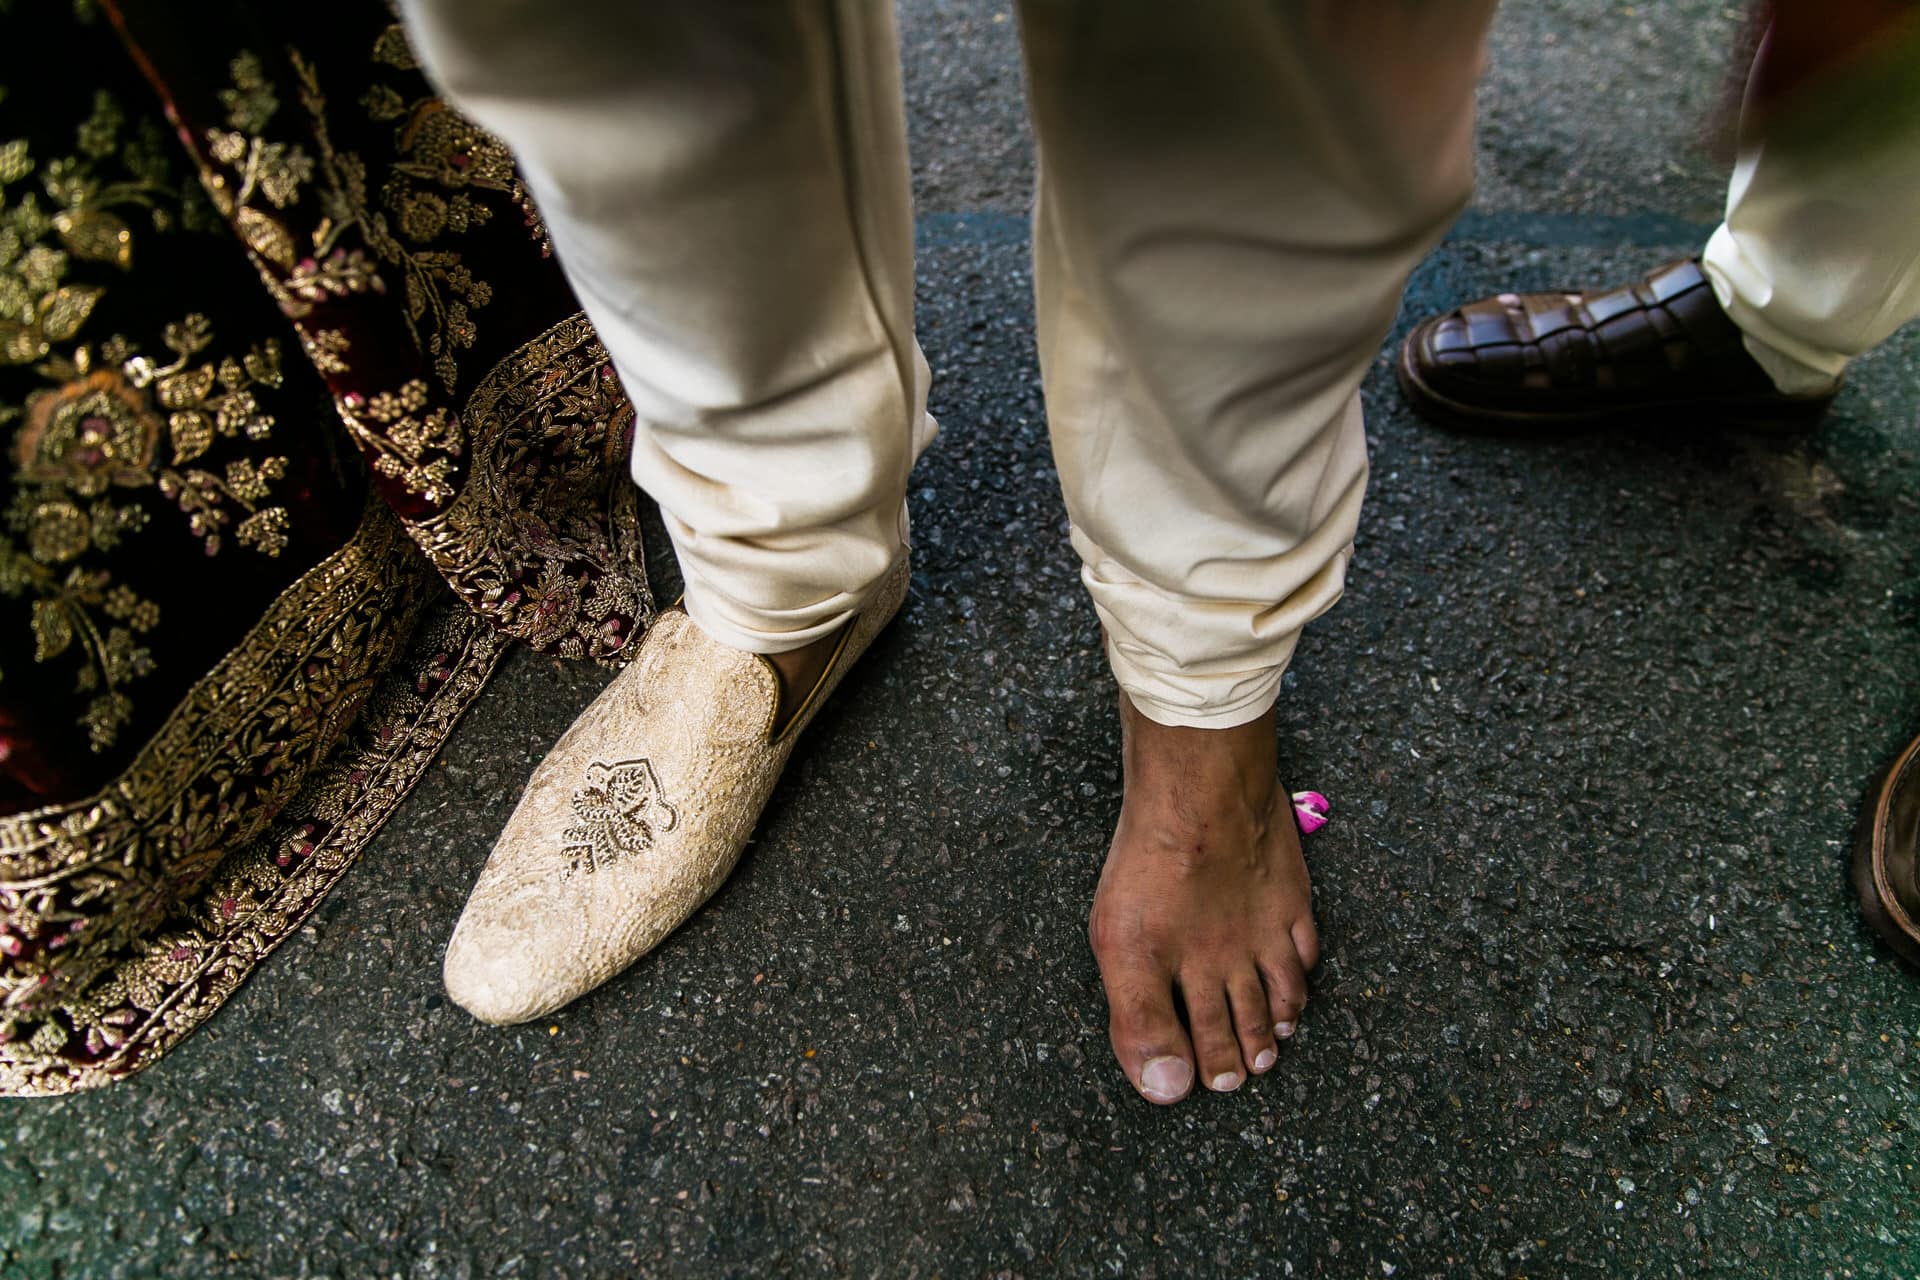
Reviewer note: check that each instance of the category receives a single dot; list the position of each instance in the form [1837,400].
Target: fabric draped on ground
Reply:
[305,429]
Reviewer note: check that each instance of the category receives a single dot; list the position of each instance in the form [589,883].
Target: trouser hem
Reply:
[1795,368]
[773,633]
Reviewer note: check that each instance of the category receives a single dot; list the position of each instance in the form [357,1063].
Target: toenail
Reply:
[1225,1082]
[1166,1079]
[1265,1059]
[1283,1029]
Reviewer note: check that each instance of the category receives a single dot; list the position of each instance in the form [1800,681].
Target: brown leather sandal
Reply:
[1656,350]
[1886,855]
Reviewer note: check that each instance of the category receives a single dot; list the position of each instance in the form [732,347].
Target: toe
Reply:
[1215,1046]
[1286,989]
[1148,1041]
[1306,944]
[1252,1020]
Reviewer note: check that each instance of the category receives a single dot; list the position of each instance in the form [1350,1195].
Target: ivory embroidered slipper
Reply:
[636,816]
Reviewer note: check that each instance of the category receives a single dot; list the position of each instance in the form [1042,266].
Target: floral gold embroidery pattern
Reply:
[409,439]
[131,908]
[427,196]
[445,149]
[545,537]
[618,812]
[151,990]
[83,218]
[517,497]
[80,882]
[89,444]
[256,181]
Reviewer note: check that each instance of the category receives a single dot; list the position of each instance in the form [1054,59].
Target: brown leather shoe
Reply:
[1548,363]
[1886,855]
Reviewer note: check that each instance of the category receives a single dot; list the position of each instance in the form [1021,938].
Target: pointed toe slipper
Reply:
[636,816]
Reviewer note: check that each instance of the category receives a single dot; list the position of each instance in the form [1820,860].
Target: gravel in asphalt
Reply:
[1595,719]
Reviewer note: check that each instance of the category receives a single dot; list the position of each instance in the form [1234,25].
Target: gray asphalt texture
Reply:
[1595,719]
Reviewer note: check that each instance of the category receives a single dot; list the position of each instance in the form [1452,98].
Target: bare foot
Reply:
[1204,893]
[800,671]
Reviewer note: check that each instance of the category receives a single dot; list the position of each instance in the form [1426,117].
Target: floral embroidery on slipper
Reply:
[619,811]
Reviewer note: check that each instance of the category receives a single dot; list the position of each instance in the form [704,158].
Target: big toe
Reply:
[1148,1040]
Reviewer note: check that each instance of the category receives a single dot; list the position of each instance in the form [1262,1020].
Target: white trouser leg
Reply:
[726,186]
[1819,257]
[1232,198]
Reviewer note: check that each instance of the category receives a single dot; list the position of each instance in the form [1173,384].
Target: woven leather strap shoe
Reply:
[1886,855]
[1657,350]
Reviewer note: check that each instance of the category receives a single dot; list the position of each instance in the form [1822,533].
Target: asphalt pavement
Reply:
[1595,720]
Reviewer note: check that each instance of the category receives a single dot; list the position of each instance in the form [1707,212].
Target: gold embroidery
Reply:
[327,349]
[84,222]
[128,1001]
[211,778]
[446,148]
[341,272]
[128,917]
[91,433]
[88,443]
[545,537]
[276,171]
[616,814]
[416,444]
[424,199]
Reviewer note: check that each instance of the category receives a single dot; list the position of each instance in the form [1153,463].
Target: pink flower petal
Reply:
[1310,809]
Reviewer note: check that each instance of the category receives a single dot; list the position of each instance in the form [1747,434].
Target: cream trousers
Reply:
[1818,260]
[1232,197]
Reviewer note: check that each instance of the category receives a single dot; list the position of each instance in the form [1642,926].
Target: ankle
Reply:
[1243,758]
